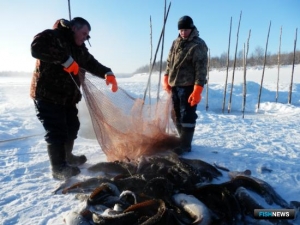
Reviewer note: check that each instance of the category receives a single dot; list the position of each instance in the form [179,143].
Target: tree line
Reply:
[256,58]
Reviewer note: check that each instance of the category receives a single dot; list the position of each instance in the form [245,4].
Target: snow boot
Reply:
[60,169]
[73,160]
[186,137]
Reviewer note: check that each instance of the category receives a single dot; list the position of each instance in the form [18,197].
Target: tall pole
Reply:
[277,87]
[292,76]
[69,6]
[245,72]
[151,49]
[234,64]
[161,53]
[157,47]
[263,73]
[227,66]
[208,67]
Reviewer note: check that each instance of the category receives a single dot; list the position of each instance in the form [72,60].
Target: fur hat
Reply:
[185,22]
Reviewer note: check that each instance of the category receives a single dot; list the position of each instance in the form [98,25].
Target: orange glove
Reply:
[195,97]
[166,85]
[110,79]
[72,68]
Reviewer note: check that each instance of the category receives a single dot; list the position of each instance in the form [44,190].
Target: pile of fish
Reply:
[168,189]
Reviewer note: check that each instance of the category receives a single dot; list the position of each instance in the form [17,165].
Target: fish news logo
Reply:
[274,213]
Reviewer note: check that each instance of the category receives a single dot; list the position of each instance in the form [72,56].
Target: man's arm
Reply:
[95,67]
[200,61]
[47,47]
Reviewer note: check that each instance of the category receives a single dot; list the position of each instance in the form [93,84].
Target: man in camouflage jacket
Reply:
[185,78]
[55,88]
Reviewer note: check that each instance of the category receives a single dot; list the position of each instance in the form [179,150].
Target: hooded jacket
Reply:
[187,61]
[52,48]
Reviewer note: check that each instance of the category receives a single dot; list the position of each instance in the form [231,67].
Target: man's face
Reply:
[80,35]
[185,33]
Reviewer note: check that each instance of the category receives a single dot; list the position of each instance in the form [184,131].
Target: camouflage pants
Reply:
[185,114]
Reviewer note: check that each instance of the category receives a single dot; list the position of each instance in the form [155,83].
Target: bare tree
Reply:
[223,59]
[258,55]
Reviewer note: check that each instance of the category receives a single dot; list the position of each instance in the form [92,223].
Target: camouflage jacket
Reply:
[187,61]
[50,82]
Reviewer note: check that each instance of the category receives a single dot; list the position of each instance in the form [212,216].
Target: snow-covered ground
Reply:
[265,138]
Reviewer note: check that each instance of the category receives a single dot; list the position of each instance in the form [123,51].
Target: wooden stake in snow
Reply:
[151,50]
[161,54]
[157,47]
[277,87]
[207,78]
[151,45]
[245,72]
[292,76]
[234,64]
[227,66]
[263,73]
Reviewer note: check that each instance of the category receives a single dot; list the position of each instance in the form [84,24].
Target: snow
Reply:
[268,138]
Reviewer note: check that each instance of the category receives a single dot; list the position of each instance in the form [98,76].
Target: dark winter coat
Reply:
[187,61]
[50,82]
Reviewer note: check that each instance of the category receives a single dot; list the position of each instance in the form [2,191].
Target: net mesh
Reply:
[125,127]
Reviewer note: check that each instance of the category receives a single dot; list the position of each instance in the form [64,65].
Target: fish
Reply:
[86,185]
[115,167]
[133,183]
[246,201]
[65,184]
[149,166]
[159,188]
[250,201]
[219,199]
[168,189]
[194,207]
[181,174]
[221,167]
[128,197]
[203,168]
[112,217]
[259,186]
[295,204]
[233,174]
[106,194]
[149,211]
[75,218]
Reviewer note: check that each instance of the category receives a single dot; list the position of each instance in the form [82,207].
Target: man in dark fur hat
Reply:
[55,88]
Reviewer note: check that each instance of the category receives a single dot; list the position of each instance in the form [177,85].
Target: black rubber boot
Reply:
[187,134]
[73,160]
[186,138]
[60,169]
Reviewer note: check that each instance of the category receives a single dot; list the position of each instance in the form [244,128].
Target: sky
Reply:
[120,35]
[266,142]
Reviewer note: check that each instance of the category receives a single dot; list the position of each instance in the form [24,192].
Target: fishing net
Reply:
[126,127]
